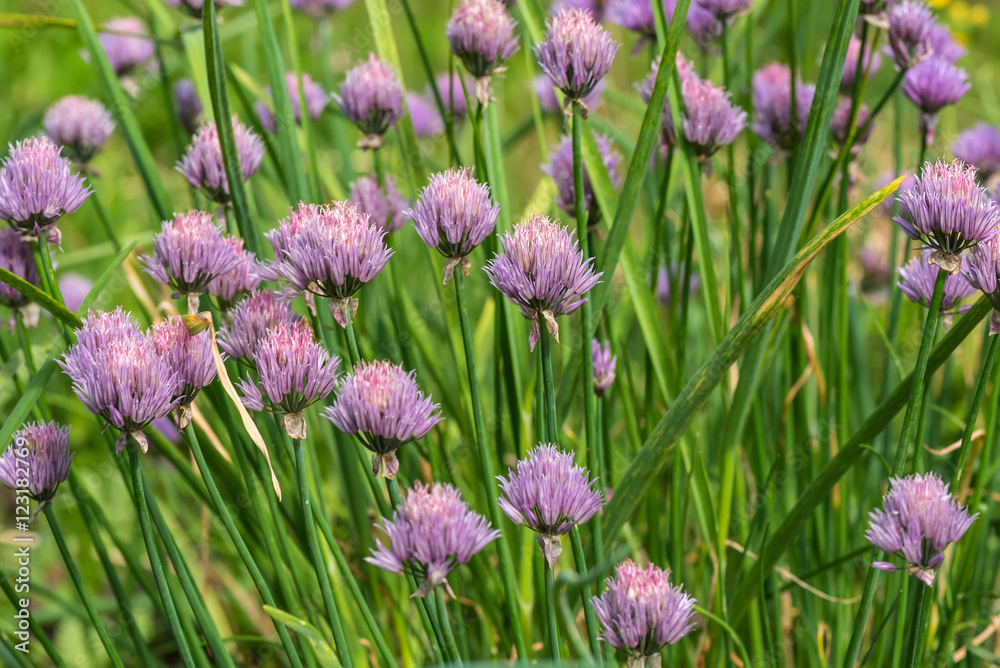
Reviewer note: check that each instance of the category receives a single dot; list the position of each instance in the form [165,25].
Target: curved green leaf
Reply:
[37,295]
[321,648]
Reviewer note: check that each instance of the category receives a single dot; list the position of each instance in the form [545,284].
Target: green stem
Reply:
[241,546]
[550,611]
[549,390]
[322,574]
[913,652]
[985,374]
[352,341]
[102,215]
[585,593]
[919,371]
[49,274]
[154,557]
[486,470]
[443,621]
[37,632]
[81,588]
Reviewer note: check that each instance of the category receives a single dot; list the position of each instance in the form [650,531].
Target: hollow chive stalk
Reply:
[909,420]
[241,546]
[445,624]
[169,609]
[552,627]
[486,469]
[322,574]
[81,588]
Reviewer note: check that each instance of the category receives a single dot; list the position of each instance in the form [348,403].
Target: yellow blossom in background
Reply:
[959,11]
[979,15]
[939,4]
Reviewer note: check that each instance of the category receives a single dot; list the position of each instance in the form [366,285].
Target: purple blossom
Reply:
[541,269]
[919,518]
[949,211]
[560,169]
[381,404]
[40,454]
[118,374]
[190,357]
[637,15]
[329,251]
[576,53]
[316,101]
[772,102]
[909,32]
[641,612]
[704,27]
[726,9]
[320,8]
[604,366]
[597,8]
[124,50]
[935,84]
[80,125]
[37,187]
[917,278]
[250,320]
[16,257]
[889,204]
[481,34]
[943,45]
[871,63]
[452,92]
[188,253]
[195,7]
[74,289]
[188,105]
[385,208]
[982,271]
[667,279]
[550,103]
[202,164]
[431,533]
[980,147]
[549,493]
[454,214]
[228,287]
[371,97]
[294,371]
[424,115]
[710,120]
[840,125]
[645,89]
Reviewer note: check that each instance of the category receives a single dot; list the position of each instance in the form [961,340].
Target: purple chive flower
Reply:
[710,120]
[454,214]
[74,289]
[889,204]
[980,147]
[576,53]
[231,286]
[80,125]
[949,211]
[250,320]
[645,89]
[118,374]
[637,16]
[190,356]
[188,253]
[16,257]
[597,8]
[840,125]
[917,278]
[195,7]
[909,32]
[424,115]
[329,251]
[943,45]
[641,612]
[452,93]
[772,101]
[560,169]
[668,279]
[481,34]
[294,371]
[430,534]
[202,164]
[549,493]
[384,208]
[372,98]
[541,269]
[126,44]
[724,10]
[704,27]
[550,103]
[37,187]
[982,271]
[316,101]
[40,454]
[381,404]
[871,62]
[933,85]
[189,108]
[320,8]
[919,518]
[604,366]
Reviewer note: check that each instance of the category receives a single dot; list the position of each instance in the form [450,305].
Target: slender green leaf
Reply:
[655,452]
[35,294]
[321,648]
